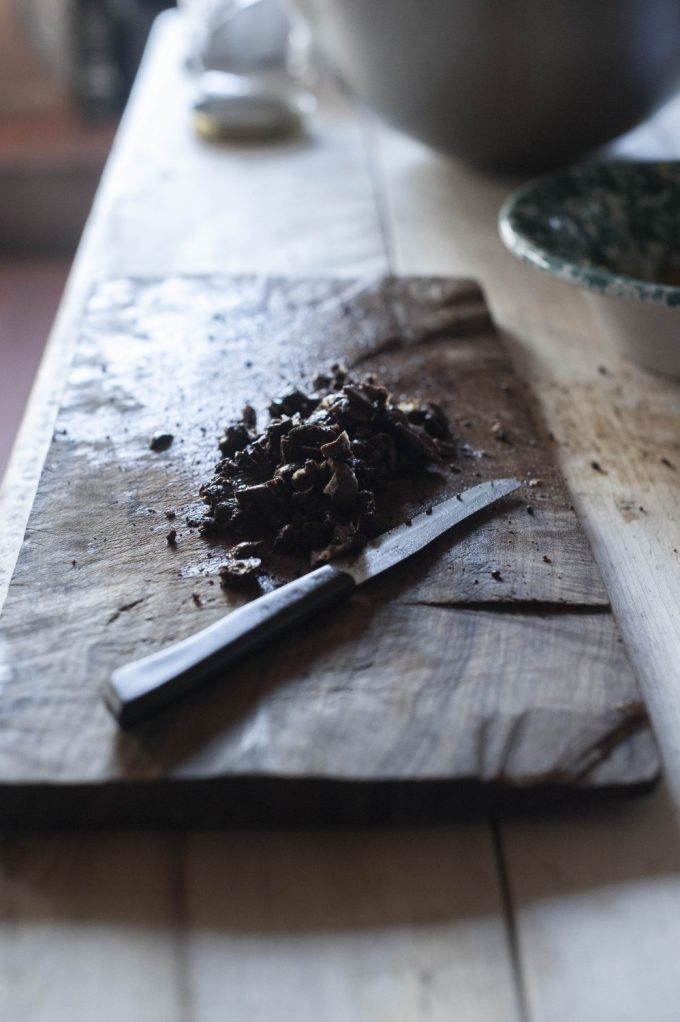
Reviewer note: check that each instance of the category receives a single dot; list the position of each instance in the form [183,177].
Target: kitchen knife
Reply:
[140,688]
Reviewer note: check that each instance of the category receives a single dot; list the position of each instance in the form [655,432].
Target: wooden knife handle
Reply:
[138,689]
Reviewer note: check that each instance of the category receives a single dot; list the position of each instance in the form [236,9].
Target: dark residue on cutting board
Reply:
[308,483]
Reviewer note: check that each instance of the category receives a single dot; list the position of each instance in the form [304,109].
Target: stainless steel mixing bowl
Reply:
[505,83]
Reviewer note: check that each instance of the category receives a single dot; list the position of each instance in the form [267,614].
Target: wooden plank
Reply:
[405,684]
[352,925]
[599,919]
[88,929]
[265,926]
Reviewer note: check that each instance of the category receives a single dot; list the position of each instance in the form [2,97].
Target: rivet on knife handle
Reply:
[140,688]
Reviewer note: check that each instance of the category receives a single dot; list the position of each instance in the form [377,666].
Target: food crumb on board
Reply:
[170,514]
[238,572]
[497,575]
[172,537]
[547,559]
[197,599]
[596,467]
[161,441]
[249,548]
[668,463]
[535,482]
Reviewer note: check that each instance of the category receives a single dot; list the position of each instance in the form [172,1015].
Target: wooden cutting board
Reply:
[487,671]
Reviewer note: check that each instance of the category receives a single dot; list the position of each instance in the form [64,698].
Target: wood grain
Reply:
[323,925]
[598,903]
[347,925]
[416,674]
[93,927]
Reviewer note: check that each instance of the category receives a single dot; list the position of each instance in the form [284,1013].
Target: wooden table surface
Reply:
[574,917]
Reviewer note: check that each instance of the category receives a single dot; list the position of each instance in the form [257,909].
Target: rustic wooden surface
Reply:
[526,921]
[437,672]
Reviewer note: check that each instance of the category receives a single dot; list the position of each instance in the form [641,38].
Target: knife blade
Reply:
[144,686]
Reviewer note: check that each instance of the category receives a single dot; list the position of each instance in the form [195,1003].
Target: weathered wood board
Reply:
[487,670]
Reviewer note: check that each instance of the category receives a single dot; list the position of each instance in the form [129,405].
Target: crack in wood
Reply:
[121,610]
[537,608]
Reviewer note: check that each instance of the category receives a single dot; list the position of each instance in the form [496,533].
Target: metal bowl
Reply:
[504,83]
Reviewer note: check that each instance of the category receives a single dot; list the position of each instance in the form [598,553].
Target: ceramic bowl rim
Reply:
[594,278]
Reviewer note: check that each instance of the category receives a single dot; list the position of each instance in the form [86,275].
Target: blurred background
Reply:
[66,68]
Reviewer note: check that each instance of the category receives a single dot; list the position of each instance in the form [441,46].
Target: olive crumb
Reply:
[307,483]
[161,441]
[239,571]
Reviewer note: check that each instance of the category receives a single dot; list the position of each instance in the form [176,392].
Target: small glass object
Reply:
[250,58]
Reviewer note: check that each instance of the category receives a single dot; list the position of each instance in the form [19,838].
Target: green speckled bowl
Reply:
[614,229]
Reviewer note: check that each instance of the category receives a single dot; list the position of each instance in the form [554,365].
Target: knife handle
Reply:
[139,688]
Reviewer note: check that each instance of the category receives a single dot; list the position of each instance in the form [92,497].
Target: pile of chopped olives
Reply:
[307,483]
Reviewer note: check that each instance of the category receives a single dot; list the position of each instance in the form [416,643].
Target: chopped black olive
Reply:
[239,571]
[160,441]
[307,482]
